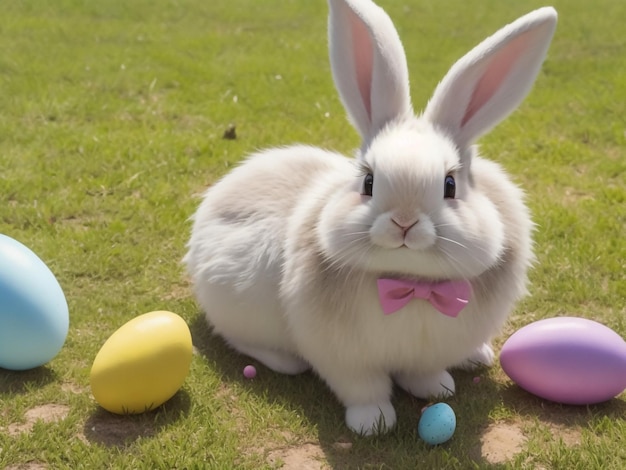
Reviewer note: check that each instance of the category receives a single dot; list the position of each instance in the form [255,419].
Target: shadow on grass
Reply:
[308,396]
[112,430]
[528,405]
[18,382]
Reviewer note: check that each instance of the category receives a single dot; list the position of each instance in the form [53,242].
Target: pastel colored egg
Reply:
[437,424]
[34,317]
[143,364]
[249,372]
[567,360]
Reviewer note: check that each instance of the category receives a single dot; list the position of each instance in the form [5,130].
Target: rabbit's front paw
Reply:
[376,418]
[483,356]
[438,385]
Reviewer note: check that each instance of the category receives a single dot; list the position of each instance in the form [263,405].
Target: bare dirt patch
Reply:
[116,430]
[571,437]
[28,466]
[69,387]
[178,292]
[307,456]
[48,413]
[501,442]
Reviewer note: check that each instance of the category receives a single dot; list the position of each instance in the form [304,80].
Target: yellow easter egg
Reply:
[142,364]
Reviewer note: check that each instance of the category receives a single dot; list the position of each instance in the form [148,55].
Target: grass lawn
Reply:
[111,122]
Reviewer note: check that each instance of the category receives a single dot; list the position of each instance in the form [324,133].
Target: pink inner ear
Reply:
[363,60]
[496,72]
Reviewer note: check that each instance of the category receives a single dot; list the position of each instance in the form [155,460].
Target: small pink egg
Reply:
[249,372]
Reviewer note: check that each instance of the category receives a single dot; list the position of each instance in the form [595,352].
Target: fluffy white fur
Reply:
[285,251]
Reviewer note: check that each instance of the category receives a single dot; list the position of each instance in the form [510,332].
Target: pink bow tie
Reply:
[449,297]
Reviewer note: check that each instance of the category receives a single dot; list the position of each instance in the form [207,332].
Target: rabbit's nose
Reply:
[405,225]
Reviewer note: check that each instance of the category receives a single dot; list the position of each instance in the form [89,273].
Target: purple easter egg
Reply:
[568,360]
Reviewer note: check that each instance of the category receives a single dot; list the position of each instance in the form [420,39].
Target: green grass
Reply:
[111,123]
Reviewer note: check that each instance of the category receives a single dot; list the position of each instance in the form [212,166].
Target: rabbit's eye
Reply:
[368,184]
[449,187]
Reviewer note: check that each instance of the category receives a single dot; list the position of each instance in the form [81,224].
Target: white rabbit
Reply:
[287,250]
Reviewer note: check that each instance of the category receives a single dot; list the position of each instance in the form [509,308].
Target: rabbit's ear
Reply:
[490,81]
[368,64]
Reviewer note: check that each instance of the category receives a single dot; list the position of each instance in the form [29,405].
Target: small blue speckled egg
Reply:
[437,424]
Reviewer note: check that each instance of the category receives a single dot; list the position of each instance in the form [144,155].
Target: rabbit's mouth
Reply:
[414,235]
[419,279]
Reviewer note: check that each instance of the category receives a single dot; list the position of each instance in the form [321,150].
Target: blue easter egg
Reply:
[437,424]
[34,318]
